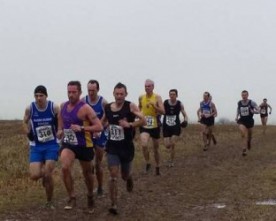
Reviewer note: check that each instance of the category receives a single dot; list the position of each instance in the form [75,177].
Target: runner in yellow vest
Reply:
[152,107]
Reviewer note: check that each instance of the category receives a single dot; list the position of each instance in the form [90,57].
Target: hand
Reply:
[270,112]
[124,123]
[75,127]
[59,134]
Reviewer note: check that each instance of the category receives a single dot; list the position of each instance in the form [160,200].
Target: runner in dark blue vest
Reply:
[40,125]
[98,103]
[206,117]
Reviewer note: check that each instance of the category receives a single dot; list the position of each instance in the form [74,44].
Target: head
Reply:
[93,88]
[244,95]
[265,100]
[40,94]
[74,91]
[149,86]
[206,96]
[173,93]
[120,93]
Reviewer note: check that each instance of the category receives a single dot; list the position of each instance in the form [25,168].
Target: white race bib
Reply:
[244,111]
[149,121]
[171,120]
[116,132]
[44,133]
[70,137]
[263,111]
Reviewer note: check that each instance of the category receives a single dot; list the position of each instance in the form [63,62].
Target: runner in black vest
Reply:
[120,116]
[264,106]
[171,123]
[245,112]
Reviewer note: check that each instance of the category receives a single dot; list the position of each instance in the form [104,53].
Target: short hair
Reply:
[207,93]
[75,83]
[41,89]
[120,85]
[95,82]
[149,81]
[264,99]
[245,91]
[175,91]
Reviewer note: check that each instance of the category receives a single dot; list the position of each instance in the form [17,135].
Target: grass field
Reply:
[218,184]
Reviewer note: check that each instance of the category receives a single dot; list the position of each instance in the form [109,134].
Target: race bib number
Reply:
[70,137]
[171,120]
[206,113]
[116,132]
[244,111]
[263,111]
[44,134]
[149,121]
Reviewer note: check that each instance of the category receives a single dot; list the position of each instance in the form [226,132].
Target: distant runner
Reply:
[171,123]
[245,112]
[206,117]
[264,106]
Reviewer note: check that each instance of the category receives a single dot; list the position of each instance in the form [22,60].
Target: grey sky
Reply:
[222,46]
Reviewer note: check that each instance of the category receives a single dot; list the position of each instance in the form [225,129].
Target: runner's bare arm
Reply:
[184,114]
[159,106]
[60,123]
[95,123]
[215,113]
[26,118]
[135,110]
[140,102]
[270,109]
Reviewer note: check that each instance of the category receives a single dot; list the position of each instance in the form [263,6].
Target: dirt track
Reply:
[218,184]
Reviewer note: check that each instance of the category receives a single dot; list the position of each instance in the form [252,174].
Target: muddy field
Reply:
[218,184]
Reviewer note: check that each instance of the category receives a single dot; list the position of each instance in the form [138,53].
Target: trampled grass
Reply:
[218,184]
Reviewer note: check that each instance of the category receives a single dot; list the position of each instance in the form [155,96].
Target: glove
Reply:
[30,135]
[184,124]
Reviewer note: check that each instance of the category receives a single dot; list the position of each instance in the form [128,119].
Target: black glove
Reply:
[30,135]
[184,124]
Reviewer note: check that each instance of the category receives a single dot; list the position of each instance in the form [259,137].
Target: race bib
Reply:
[171,120]
[70,137]
[116,132]
[150,121]
[206,112]
[44,133]
[244,111]
[263,111]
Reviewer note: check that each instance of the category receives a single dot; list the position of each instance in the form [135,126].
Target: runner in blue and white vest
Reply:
[40,126]
[206,117]
[97,102]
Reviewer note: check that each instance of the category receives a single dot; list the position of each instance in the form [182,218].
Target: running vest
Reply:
[206,108]
[171,117]
[98,107]
[82,138]
[264,108]
[43,124]
[116,132]
[149,111]
[245,110]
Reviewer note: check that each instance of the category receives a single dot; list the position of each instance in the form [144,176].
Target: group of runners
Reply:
[89,127]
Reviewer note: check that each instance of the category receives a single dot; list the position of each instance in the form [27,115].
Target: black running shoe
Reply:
[244,153]
[148,167]
[113,210]
[157,171]
[129,184]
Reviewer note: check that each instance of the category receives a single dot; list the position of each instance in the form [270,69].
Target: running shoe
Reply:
[113,209]
[71,203]
[90,204]
[129,184]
